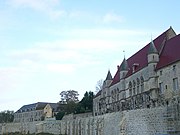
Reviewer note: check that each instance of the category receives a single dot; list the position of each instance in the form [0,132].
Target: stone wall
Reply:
[135,122]
[145,122]
[77,116]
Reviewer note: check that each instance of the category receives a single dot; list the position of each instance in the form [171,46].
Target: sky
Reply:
[48,46]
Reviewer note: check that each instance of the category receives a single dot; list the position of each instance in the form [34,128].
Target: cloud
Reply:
[107,32]
[45,6]
[112,17]
[91,48]
[10,78]
[89,44]
[76,14]
[62,68]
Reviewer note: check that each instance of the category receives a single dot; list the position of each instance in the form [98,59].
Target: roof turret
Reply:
[152,48]
[109,76]
[124,65]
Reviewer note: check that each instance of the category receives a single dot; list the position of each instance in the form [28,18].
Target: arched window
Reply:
[118,90]
[117,94]
[130,89]
[142,84]
[138,82]
[112,93]
[134,87]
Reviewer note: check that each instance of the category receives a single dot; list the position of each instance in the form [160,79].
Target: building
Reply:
[35,112]
[147,79]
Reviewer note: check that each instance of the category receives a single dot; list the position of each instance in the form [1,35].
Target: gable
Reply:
[140,58]
[170,52]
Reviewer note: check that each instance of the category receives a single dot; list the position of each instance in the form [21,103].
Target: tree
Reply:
[79,108]
[99,85]
[59,115]
[6,116]
[68,105]
[87,101]
[70,95]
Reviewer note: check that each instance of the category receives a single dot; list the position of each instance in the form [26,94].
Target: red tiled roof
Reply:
[141,58]
[170,53]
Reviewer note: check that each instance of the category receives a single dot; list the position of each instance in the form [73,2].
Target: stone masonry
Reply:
[152,121]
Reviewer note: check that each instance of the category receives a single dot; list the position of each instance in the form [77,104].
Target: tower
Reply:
[153,56]
[153,59]
[123,69]
[108,80]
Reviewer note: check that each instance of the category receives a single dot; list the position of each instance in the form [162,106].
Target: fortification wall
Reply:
[134,122]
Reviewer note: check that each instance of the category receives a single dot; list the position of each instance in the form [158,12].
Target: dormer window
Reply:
[135,65]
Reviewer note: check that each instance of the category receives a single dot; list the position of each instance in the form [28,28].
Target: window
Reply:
[174,67]
[154,67]
[130,89]
[117,97]
[175,84]
[142,84]
[123,95]
[138,82]
[118,90]
[161,72]
[134,88]
[161,88]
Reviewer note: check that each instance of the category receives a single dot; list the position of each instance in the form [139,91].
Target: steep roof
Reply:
[98,94]
[170,53]
[54,106]
[124,65]
[28,107]
[140,57]
[152,48]
[109,76]
[35,106]
[41,105]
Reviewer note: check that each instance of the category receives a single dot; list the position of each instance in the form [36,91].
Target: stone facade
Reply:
[36,115]
[148,79]
[35,112]
[148,121]
[77,116]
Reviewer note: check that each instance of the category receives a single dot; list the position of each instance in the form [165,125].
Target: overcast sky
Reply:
[47,46]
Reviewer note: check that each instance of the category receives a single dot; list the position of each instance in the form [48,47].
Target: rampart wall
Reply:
[152,121]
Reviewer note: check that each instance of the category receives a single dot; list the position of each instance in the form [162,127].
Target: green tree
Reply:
[69,95]
[60,115]
[71,107]
[86,104]
[68,105]
[79,109]
[6,116]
